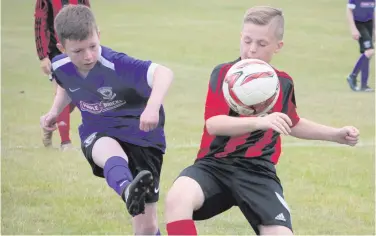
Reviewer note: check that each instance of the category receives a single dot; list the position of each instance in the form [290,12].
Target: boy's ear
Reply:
[60,47]
[279,46]
[98,32]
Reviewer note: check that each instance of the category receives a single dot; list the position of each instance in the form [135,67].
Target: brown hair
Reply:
[75,22]
[263,15]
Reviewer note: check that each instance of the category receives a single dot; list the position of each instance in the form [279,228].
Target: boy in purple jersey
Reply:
[120,99]
[360,14]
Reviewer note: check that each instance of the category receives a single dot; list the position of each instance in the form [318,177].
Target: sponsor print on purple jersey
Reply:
[363,10]
[112,97]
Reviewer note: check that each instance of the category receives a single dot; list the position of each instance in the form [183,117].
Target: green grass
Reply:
[329,189]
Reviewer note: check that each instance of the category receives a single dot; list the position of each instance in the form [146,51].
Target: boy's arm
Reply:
[162,79]
[61,100]
[306,129]
[350,19]
[146,75]
[159,78]
[223,125]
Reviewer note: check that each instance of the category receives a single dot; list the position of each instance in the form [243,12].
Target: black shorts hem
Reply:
[275,223]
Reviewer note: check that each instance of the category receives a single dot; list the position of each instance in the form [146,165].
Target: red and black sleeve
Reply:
[288,93]
[291,108]
[42,34]
[215,102]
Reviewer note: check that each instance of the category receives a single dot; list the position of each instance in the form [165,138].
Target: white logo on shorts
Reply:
[156,190]
[284,203]
[280,217]
[90,139]
[367,44]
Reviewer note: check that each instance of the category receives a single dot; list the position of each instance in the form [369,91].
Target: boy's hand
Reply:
[149,119]
[279,122]
[48,121]
[355,34]
[348,135]
[45,65]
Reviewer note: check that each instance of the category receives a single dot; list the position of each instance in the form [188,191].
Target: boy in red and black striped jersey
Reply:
[46,40]
[236,162]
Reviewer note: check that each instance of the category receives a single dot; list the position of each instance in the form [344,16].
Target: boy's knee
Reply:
[172,200]
[185,194]
[369,52]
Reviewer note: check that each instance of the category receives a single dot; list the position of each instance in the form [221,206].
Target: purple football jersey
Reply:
[363,10]
[112,97]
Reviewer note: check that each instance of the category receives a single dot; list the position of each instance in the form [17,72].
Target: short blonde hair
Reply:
[263,15]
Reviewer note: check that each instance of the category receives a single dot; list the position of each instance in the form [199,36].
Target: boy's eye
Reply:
[263,44]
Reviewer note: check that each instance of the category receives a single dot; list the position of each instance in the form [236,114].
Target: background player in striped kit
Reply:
[46,40]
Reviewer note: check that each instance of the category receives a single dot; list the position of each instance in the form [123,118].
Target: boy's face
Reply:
[83,54]
[259,42]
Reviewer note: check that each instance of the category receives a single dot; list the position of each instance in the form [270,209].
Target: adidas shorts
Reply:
[250,184]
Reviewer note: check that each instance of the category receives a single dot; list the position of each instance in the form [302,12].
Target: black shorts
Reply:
[250,184]
[366,34]
[139,158]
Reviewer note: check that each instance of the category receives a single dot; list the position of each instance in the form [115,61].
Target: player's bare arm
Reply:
[61,100]
[350,18]
[162,80]
[45,65]
[223,125]
[48,121]
[306,129]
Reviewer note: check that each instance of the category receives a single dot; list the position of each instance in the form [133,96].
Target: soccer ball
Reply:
[251,87]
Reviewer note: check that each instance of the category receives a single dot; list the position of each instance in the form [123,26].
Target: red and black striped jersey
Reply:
[45,36]
[258,144]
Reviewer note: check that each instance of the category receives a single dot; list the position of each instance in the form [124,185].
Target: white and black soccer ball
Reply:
[251,87]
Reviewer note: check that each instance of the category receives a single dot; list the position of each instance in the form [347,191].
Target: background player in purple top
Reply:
[120,99]
[360,15]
